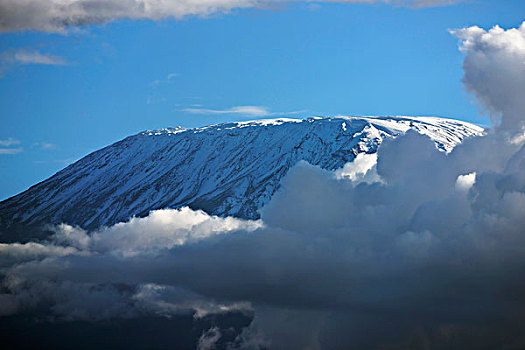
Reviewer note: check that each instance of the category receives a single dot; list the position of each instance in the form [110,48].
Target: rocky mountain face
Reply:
[223,169]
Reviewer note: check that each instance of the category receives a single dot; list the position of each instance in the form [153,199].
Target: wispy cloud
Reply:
[11,150]
[27,56]
[31,56]
[9,142]
[165,80]
[58,15]
[250,110]
[45,145]
[255,111]
[6,146]
[56,161]
[427,3]
[151,100]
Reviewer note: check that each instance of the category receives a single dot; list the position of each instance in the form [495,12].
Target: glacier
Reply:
[229,169]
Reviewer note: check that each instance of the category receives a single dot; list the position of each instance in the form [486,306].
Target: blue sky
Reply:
[64,95]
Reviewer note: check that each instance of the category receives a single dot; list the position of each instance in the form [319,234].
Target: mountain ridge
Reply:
[224,169]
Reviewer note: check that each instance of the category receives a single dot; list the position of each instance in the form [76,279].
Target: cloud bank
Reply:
[414,248]
[59,15]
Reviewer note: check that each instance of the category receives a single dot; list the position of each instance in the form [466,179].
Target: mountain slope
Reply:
[224,169]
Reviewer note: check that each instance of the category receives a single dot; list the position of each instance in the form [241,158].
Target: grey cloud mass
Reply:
[59,15]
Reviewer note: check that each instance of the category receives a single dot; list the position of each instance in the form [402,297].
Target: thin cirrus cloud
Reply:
[27,56]
[9,142]
[11,150]
[254,111]
[46,146]
[59,15]
[5,146]
[169,78]
[30,56]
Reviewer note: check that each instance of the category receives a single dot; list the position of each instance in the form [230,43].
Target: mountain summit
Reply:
[223,169]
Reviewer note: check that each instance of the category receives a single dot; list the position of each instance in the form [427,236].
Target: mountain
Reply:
[224,169]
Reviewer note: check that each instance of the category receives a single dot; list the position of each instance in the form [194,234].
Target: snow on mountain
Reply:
[224,169]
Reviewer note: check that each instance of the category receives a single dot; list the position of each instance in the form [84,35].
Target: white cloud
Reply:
[253,111]
[161,229]
[45,145]
[424,3]
[17,252]
[58,15]
[151,100]
[465,182]
[9,142]
[362,169]
[27,56]
[11,150]
[165,80]
[30,56]
[495,70]
[256,111]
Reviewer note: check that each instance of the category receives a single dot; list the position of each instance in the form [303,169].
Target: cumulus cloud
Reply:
[465,182]
[59,15]
[161,229]
[495,70]
[361,169]
[411,248]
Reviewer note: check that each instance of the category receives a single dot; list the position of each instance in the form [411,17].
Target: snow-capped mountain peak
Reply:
[225,169]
